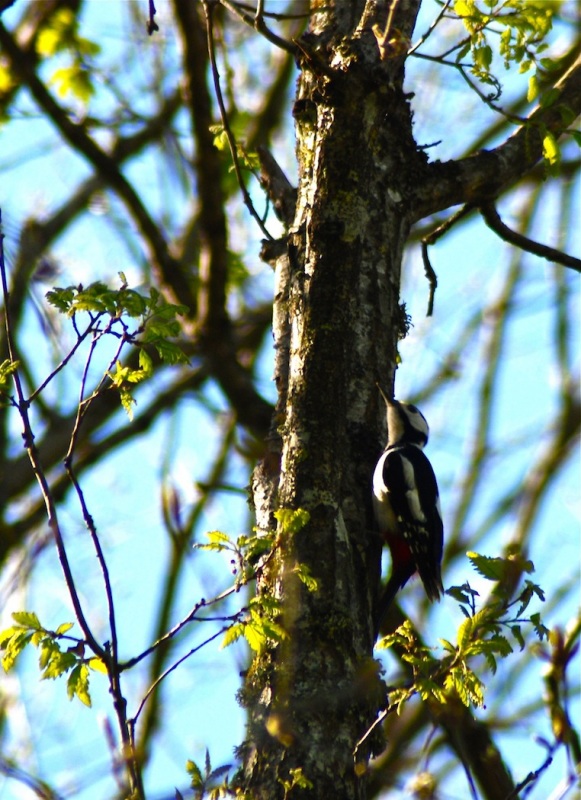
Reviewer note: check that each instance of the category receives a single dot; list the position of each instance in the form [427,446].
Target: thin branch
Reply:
[430,30]
[480,177]
[257,22]
[208,10]
[152,25]
[493,220]
[64,361]
[102,162]
[428,240]
[28,436]
[132,722]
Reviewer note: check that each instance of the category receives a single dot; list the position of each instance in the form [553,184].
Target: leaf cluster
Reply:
[258,623]
[61,37]
[483,633]
[521,26]
[109,311]
[53,660]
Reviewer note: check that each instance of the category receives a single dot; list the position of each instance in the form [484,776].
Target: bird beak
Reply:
[383,394]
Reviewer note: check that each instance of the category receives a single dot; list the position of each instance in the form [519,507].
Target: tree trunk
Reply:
[337,323]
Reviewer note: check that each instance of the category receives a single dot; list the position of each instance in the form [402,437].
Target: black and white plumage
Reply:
[406,504]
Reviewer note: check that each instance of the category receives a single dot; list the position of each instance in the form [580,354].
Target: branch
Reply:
[430,239]
[216,329]
[469,737]
[257,22]
[102,162]
[208,9]
[493,220]
[22,406]
[485,175]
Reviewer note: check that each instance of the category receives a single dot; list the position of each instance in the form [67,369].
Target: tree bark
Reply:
[337,322]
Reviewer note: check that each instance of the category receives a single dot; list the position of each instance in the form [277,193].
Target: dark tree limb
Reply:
[215,325]
[103,163]
[428,240]
[480,178]
[493,220]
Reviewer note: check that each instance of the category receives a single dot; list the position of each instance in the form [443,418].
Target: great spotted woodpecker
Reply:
[406,504]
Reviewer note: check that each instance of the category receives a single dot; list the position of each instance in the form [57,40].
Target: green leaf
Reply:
[14,646]
[465,632]
[493,569]
[464,8]
[145,362]
[27,619]
[255,636]
[54,662]
[78,684]
[218,541]
[292,521]
[232,634]
[466,684]
[483,57]
[61,299]
[253,547]
[516,632]
[462,594]
[533,90]
[74,80]
[64,628]
[131,302]
[541,631]
[56,35]
[98,665]
[127,401]
[7,369]
[304,574]
[169,352]
[549,98]
[220,138]
[195,774]
[273,630]
[551,150]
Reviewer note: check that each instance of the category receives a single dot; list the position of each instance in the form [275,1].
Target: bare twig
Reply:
[428,240]
[132,722]
[208,10]
[430,30]
[152,25]
[257,22]
[22,404]
[109,656]
[493,220]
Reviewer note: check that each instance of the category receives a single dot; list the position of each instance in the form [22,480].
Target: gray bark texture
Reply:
[362,183]
[336,324]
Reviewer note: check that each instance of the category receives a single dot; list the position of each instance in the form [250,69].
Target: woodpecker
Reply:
[407,505]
